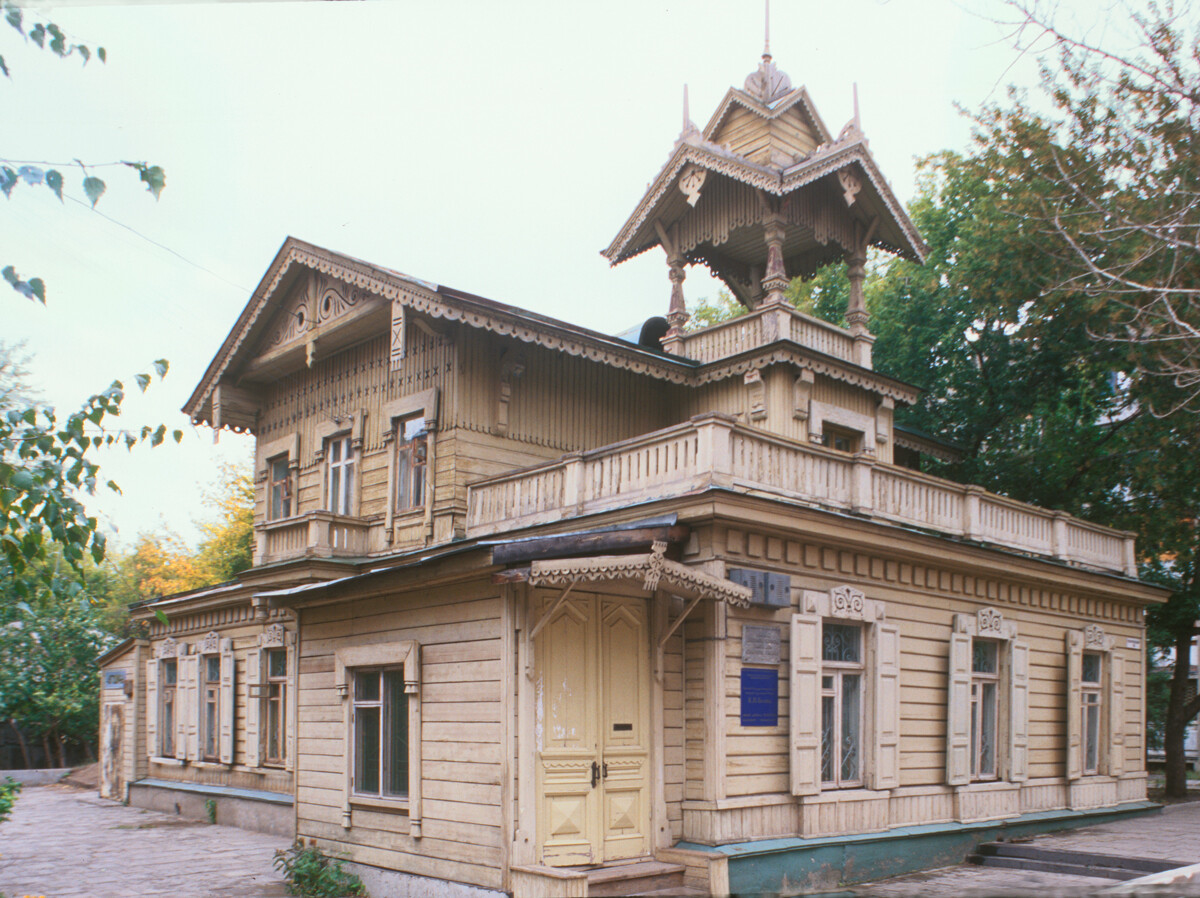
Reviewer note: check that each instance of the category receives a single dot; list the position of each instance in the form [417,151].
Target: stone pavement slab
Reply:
[1173,834]
[63,842]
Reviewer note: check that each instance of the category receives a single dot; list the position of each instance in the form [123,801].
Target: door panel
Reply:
[593,692]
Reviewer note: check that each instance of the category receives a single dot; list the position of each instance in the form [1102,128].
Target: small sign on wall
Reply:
[760,697]
[114,679]
[760,645]
[1133,643]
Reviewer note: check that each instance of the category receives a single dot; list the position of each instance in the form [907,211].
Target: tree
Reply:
[1119,158]
[47,35]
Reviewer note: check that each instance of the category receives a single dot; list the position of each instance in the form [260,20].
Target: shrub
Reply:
[8,795]
[310,873]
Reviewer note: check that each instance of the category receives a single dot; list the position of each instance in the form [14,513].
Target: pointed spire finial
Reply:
[767,32]
[689,127]
[687,119]
[857,120]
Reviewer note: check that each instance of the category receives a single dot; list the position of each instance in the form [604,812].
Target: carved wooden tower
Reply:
[763,194]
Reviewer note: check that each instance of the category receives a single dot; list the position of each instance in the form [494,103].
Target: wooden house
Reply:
[538,610]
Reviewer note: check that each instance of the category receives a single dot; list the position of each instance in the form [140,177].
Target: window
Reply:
[339,474]
[1095,704]
[381,693]
[840,438]
[166,709]
[841,704]
[987,701]
[210,713]
[411,448]
[380,716]
[985,707]
[1090,691]
[844,710]
[280,500]
[275,700]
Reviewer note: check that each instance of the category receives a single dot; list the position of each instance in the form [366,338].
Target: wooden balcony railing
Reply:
[748,331]
[318,534]
[714,451]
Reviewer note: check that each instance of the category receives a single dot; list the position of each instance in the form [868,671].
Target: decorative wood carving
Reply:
[846,602]
[294,326]
[399,330]
[272,637]
[989,622]
[690,182]
[169,648]
[1094,637]
[335,303]
[211,644]
[758,394]
[652,568]
[802,394]
[851,185]
[512,367]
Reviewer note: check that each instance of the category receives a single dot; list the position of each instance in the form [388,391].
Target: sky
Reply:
[492,147]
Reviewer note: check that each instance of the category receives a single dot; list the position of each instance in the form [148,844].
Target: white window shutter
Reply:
[884,770]
[194,707]
[1018,712]
[291,694]
[228,701]
[253,705]
[804,712]
[1116,715]
[1074,710]
[958,711]
[152,708]
[182,707]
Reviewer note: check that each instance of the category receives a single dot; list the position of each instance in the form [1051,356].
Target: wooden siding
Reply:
[459,631]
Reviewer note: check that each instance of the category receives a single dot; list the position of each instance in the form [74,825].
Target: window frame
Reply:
[837,671]
[405,484]
[963,739]
[879,698]
[1108,692]
[387,703]
[349,661]
[423,404]
[980,717]
[272,683]
[267,456]
[167,734]
[341,462]
[1091,693]
[209,693]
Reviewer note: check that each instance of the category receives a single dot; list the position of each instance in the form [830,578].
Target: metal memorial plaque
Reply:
[760,645]
[760,697]
[114,679]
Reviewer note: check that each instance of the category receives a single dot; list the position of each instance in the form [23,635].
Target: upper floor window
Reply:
[411,448]
[280,486]
[840,438]
[339,475]
[841,704]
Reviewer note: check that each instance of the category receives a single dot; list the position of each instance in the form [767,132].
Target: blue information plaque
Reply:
[760,697]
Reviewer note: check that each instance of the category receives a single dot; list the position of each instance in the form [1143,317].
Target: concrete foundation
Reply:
[264,812]
[395,884]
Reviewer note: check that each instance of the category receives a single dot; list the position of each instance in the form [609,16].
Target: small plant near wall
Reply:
[8,795]
[210,809]
[310,873]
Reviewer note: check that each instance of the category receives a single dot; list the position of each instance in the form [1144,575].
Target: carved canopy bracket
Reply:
[652,571]
[802,394]
[399,330]
[758,394]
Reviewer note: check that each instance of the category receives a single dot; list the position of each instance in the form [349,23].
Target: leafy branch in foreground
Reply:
[47,35]
[45,462]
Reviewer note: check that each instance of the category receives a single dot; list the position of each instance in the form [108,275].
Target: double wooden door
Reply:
[593,721]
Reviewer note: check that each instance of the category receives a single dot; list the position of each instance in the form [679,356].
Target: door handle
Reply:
[604,769]
[595,774]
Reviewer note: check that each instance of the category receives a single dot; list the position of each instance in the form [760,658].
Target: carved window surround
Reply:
[1092,639]
[288,445]
[822,413]
[424,403]
[407,655]
[1012,737]
[880,738]
[352,424]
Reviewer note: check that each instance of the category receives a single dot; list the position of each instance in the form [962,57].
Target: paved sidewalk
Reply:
[63,842]
[1172,835]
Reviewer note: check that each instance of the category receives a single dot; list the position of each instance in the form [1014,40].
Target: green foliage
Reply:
[59,44]
[210,810]
[707,312]
[45,461]
[8,797]
[310,873]
[48,649]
